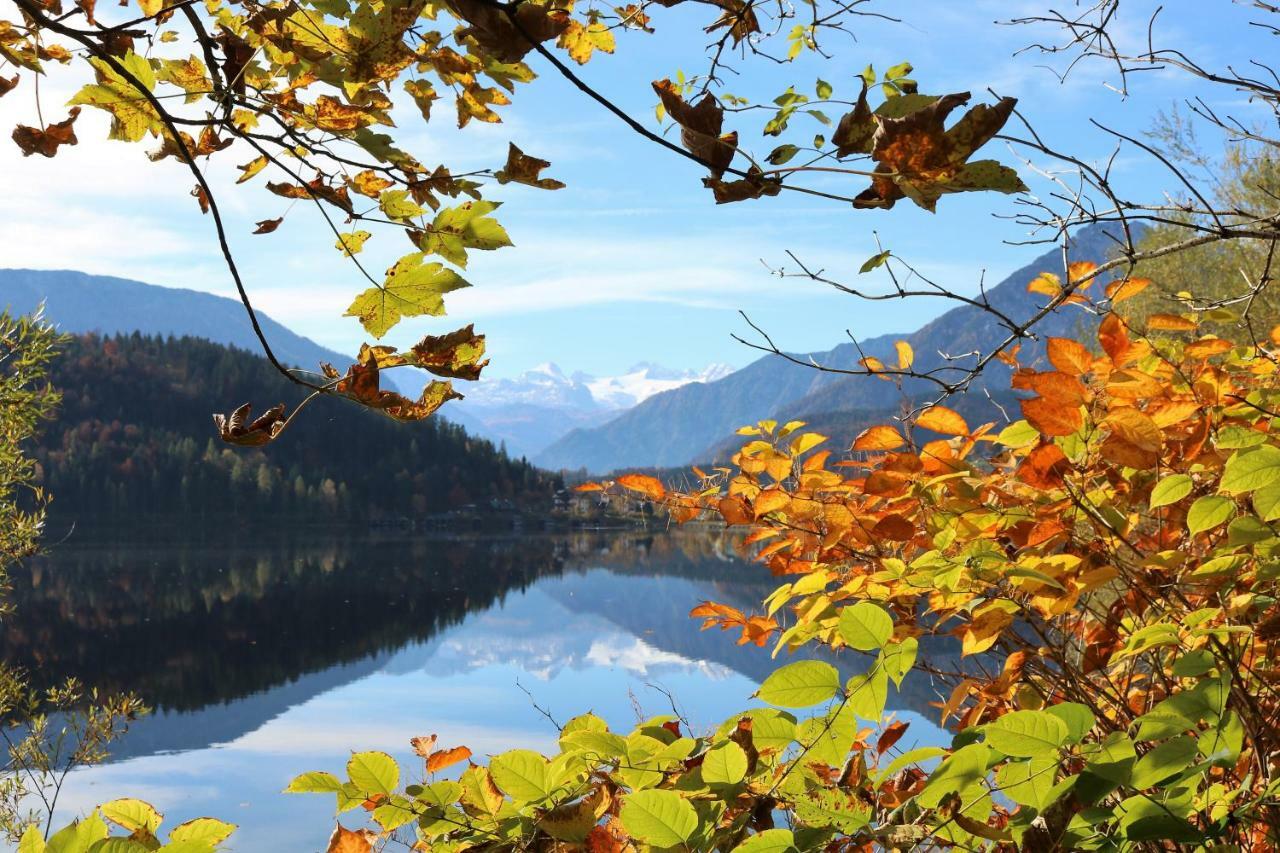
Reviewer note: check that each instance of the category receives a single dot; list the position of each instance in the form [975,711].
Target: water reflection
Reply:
[270,657]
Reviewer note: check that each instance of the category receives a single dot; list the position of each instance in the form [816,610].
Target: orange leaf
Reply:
[878,438]
[1114,338]
[771,501]
[650,487]
[1044,467]
[589,487]
[895,528]
[1127,288]
[1080,269]
[1170,323]
[446,757]
[943,420]
[1052,418]
[1069,356]
[346,840]
[1046,284]
[905,354]
[1135,428]
[1207,347]
[891,735]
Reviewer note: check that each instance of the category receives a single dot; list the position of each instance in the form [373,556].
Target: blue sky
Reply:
[633,261]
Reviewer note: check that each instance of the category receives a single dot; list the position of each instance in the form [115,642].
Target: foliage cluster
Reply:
[1111,556]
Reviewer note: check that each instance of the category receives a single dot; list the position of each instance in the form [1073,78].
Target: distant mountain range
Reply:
[695,423]
[541,405]
[527,413]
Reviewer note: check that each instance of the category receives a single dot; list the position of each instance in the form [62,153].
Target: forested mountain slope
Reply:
[135,438]
[690,424]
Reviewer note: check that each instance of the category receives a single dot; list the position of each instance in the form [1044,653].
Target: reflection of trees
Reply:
[194,624]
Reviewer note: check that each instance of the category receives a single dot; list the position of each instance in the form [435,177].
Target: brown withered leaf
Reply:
[6,85]
[46,142]
[738,17]
[523,169]
[492,29]
[423,746]
[455,355]
[920,158]
[345,840]
[755,185]
[700,126]
[361,383]
[856,128]
[201,197]
[891,735]
[236,428]
[266,226]
[87,6]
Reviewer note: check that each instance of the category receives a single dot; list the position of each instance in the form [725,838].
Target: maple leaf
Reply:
[456,229]
[738,17]
[423,746]
[493,30]
[919,158]
[362,384]
[700,127]
[411,289]
[524,169]
[754,186]
[582,41]
[7,84]
[266,226]
[236,428]
[47,141]
[455,355]
[132,116]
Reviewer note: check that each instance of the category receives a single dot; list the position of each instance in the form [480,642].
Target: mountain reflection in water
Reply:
[267,658]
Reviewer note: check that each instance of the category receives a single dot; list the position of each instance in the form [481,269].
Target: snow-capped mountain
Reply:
[539,406]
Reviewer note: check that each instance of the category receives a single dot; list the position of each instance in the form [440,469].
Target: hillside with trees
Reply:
[133,442]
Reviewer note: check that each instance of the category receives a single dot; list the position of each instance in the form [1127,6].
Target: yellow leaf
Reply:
[879,438]
[905,355]
[650,487]
[943,420]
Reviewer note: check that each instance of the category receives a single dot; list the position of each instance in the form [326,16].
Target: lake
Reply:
[266,656]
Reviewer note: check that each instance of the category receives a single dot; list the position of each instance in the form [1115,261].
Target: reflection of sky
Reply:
[464,685]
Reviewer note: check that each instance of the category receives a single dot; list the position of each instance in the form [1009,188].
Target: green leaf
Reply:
[1266,502]
[1028,782]
[1250,470]
[1018,434]
[351,243]
[1221,745]
[874,261]
[823,90]
[1165,760]
[315,782]
[1026,733]
[1194,663]
[914,756]
[964,767]
[769,841]
[1247,530]
[1208,512]
[770,728]
[866,626]
[986,175]
[869,692]
[800,684]
[412,288]
[82,834]
[782,154]
[724,765]
[660,817]
[374,772]
[1237,437]
[1077,717]
[396,204]
[832,807]
[1170,490]
[522,774]
[132,814]
[207,829]
[456,229]
[32,840]
[898,658]
[110,845]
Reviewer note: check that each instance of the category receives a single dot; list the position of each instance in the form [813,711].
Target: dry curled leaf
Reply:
[700,126]
[345,840]
[236,428]
[523,169]
[266,226]
[45,142]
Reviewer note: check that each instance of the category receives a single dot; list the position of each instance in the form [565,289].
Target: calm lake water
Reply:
[266,657]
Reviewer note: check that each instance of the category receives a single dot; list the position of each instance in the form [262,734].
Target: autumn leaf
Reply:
[1051,417]
[362,384]
[455,355]
[700,127]
[524,169]
[412,288]
[919,158]
[236,428]
[423,746]
[1069,356]
[266,226]
[1126,288]
[441,759]
[7,84]
[46,142]
[582,41]
[892,734]
[650,487]
[345,840]
[906,357]
[253,167]
[879,438]
[943,420]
